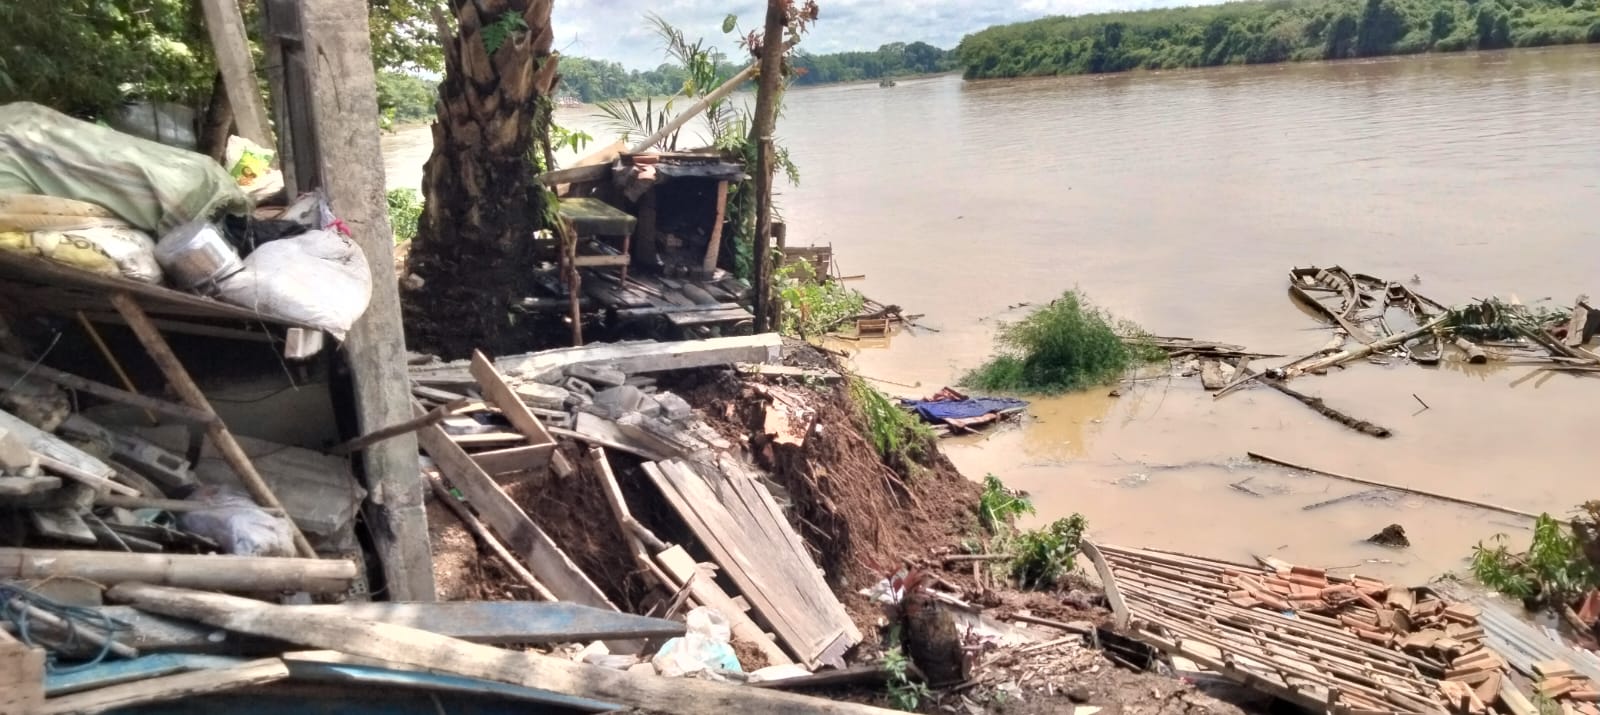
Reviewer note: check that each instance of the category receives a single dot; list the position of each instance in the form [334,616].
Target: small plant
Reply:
[905,693]
[564,138]
[898,435]
[998,505]
[1067,345]
[1043,556]
[405,207]
[1553,571]
[496,33]
[812,306]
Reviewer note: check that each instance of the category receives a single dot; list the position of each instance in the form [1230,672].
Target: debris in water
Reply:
[1393,535]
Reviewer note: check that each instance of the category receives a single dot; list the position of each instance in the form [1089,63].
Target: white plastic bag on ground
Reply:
[318,278]
[704,649]
[238,525]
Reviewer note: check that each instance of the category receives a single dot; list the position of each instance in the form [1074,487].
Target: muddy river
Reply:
[1179,200]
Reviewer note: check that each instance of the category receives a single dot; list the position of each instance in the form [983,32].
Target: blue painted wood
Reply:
[374,677]
[113,672]
[493,622]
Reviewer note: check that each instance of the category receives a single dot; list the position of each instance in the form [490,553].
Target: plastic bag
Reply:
[155,188]
[108,250]
[704,649]
[318,278]
[237,525]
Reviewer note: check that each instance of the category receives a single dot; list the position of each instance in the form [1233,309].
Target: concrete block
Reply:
[673,407]
[600,375]
[14,454]
[542,396]
[578,386]
[625,399]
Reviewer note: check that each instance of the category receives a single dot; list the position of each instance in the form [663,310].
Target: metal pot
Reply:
[196,255]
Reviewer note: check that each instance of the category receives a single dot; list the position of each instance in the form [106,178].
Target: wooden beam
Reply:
[574,175]
[548,563]
[58,456]
[433,417]
[107,392]
[344,110]
[628,357]
[21,676]
[226,27]
[410,646]
[190,393]
[714,247]
[167,688]
[499,393]
[223,573]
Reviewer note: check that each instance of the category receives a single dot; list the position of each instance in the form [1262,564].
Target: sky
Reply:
[616,29]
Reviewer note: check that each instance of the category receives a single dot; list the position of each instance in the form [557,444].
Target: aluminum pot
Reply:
[196,256]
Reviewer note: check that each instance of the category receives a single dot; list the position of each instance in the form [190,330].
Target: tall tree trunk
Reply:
[474,244]
[770,84]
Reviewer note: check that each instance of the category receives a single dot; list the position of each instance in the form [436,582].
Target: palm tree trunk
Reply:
[474,246]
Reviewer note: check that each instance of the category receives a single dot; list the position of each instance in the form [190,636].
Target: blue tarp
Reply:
[941,410]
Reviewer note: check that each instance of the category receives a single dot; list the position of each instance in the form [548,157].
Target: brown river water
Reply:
[1179,200]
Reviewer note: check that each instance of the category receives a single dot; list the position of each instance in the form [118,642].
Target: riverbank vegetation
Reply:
[1559,565]
[1069,344]
[591,80]
[1270,31]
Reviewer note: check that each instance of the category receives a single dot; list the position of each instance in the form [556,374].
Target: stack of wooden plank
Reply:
[1338,643]
[1560,683]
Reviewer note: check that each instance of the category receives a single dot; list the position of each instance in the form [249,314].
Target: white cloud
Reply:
[617,30]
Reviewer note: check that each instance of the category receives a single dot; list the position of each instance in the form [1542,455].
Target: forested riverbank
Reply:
[1270,31]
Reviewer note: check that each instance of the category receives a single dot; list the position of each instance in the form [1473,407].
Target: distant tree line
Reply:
[591,80]
[1265,31]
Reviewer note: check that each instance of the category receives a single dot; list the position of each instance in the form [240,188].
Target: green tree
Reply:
[1381,26]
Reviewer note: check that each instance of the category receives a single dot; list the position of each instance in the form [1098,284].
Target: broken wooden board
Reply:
[520,534]
[21,676]
[115,672]
[73,464]
[703,588]
[167,688]
[223,573]
[630,358]
[373,674]
[748,535]
[498,393]
[441,654]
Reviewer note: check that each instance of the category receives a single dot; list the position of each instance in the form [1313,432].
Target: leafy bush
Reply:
[1066,345]
[405,207]
[1043,556]
[1553,571]
[904,692]
[810,306]
[998,506]
[900,438]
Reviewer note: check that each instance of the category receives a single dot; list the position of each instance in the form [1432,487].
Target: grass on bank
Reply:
[1069,344]
[899,436]
[1039,557]
[812,306]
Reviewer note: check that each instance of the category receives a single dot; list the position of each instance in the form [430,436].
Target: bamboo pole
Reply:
[116,365]
[222,573]
[1396,487]
[186,388]
[683,118]
[68,630]
[107,392]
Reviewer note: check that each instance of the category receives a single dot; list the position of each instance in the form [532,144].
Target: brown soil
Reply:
[463,572]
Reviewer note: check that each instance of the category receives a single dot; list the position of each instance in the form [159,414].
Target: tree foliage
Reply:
[86,57]
[1261,31]
[405,98]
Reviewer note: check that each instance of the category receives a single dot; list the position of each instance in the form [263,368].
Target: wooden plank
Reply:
[410,646]
[62,458]
[602,261]
[168,688]
[505,622]
[534,547]
[236,63]
[482,438]
[575,175]
[106,392]
[630,358]
[500,394]
[344,109]
[781,585]
[189,392]
[704,590]
[525,458]
[21,677]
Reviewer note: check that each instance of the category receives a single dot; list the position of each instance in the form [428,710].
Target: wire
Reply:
[17,604]
[29,371]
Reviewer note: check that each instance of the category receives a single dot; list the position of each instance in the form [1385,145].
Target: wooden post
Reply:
[772,48]
[191,395]
[344,113]
[715,246]
[284,61]
[226,27]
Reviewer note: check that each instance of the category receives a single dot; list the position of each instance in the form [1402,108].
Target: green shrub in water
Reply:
[1067,345]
